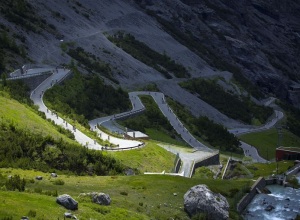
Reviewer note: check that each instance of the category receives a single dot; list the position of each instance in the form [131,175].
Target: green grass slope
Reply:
[266,141]
[133,197]
[150,158]
[26,118]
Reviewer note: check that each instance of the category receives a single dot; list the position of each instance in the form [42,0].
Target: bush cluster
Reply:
[93,98]
[15,183]
[161,62]
[239,108]
[293,118]
[215,134]
[91,62]
[22,13]
[151,118]
[23,149]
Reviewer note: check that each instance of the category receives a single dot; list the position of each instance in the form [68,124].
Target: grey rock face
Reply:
[67,201]
[199,199]
[101,198]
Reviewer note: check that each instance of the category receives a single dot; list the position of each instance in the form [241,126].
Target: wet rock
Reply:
[265,191]
[67,201]
[200,199]
[269,208]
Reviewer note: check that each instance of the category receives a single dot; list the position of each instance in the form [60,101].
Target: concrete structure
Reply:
[293,171]
[213,159]
[257,186]
[287,153]
[136,135]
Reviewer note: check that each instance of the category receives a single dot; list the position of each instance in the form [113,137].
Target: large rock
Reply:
[67,201]
[199,199]
[101,198]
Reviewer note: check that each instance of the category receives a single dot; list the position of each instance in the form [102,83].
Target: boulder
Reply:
[129,172]
[101,198]
[199,199]
[38,177]
[67,201]
[53,175]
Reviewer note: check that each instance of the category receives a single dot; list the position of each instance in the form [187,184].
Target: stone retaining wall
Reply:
[177,166]
[212,160]
[35,81]
[293,171]
[259,184]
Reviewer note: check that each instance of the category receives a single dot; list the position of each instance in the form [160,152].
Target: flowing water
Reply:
[283,203]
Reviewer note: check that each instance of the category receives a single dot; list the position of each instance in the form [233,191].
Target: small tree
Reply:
[15,182]
[4,81]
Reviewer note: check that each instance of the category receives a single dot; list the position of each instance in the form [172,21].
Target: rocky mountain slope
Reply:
[258,39]
[261,38]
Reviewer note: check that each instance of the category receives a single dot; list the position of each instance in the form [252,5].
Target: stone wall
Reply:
[35,81]
[177,165]
[211,160]
[259,184]
[293,171]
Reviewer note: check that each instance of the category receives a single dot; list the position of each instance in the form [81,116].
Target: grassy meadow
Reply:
[26,118]
[133,197]
[150,158]
[266,141]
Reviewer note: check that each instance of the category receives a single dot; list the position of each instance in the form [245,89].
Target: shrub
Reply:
[15,183]
[140,51]
[6,218]
[124,193]
[38,190]
[32,213]
[102,209]
[59,182]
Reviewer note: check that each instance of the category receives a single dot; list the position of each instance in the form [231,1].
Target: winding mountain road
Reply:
[37,97]
[137,107]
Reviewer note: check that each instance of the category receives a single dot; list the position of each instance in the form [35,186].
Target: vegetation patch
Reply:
[22,13]
[89,60]
[148,196]
[93,99]
[204,173]
[293,118]
[239,108]
[267,169]
[152,122]
[161,62]
[236,169]
[267,141]
[26,118]
[206,130]
[22,148]
[150,158]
